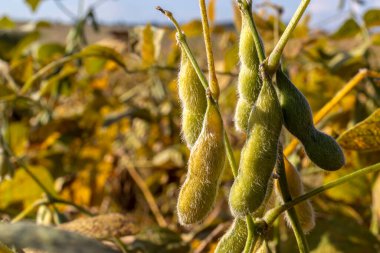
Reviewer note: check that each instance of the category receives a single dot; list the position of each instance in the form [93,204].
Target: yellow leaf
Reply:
[211,11]
[100,83]
[147,46]
[364,136]
[50,140]
[23,189]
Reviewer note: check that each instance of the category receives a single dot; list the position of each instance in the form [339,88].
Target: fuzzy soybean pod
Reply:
[206,163]
[193,100]
[321,148]
[259,153]
[234,240]
[249,84]
[305,212]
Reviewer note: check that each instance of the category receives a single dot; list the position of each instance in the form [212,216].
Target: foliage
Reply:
[98,125]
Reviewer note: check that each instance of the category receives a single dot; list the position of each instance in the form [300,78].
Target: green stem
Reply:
[286,196]
[69,203]
[230,155]
[185,47]
[273,214]
[246,10]
[251,238]
[275,56]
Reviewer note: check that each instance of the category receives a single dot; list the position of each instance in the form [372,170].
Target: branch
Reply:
[274,213]
[275,56]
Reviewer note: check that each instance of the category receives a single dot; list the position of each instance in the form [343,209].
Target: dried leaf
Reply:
[103,226]
[364,136]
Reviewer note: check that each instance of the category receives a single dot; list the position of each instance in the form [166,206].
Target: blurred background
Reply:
[89,105]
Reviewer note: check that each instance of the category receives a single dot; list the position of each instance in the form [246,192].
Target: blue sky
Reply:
[143,11]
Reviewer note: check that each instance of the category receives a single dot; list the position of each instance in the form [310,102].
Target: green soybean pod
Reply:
[321,148]
[233,241]
[193,99]
[206,163]
[259,153]
[249,84]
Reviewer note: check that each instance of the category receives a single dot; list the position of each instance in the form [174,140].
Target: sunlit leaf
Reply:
[193,28]
[364,136]
[147,46]
[349,29]
[231,57]
[49,239]
[22,189]
[372,18]
[211,11]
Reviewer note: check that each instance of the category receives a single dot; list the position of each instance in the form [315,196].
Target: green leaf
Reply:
[49,239]
[372,18]
[364,136]
[348,30]
[33,4]
[101,52]
[49,52]
[6,23]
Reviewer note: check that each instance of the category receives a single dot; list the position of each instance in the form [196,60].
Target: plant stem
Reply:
[185,47]
[275,56]
[251,238]
[213,81]
[246,10]
[182,41]
[294,221]
[274,213]
[230,155]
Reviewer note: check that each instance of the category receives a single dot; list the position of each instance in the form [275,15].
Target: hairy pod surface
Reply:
[233,241]
[305,211]
[193,99]
[249,83]
[206,163]
[259,153]
[321,148]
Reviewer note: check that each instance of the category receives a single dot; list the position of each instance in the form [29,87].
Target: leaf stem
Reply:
[274,213]
[213,81]
[275,56]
